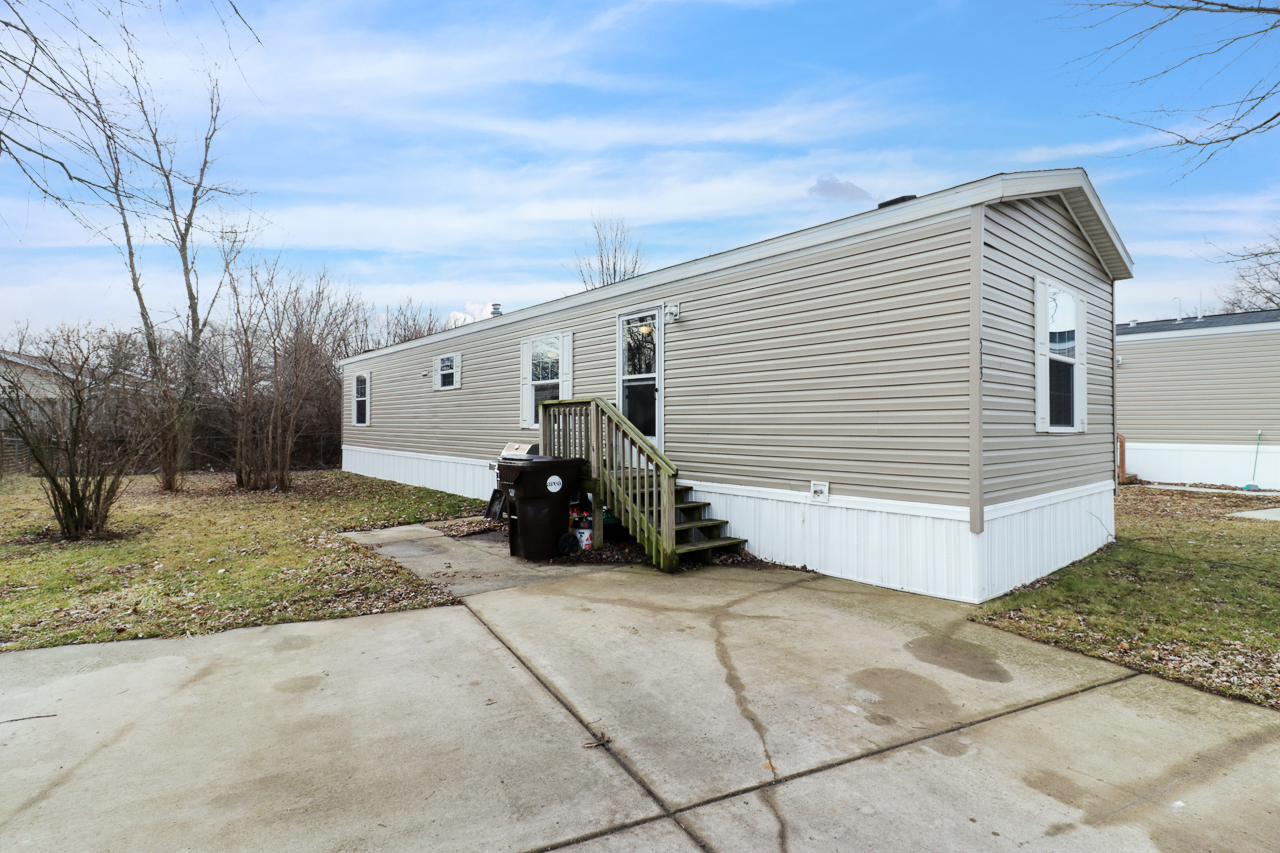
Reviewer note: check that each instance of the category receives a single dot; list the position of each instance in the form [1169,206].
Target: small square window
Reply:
[448,372]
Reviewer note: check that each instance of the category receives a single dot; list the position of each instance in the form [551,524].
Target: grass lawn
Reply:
[208,559]
[1186,593]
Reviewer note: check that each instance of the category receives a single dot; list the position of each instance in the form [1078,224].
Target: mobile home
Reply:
[919,397]
[1198,398]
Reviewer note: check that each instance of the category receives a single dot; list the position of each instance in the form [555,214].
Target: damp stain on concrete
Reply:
[301,684]
[292,643]
[1061,787]
[971,659]
[950,745]
[897,693]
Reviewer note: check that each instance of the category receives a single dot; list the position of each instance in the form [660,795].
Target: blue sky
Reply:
[455,152]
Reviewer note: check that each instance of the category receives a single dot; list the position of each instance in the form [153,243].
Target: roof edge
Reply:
[1005,186]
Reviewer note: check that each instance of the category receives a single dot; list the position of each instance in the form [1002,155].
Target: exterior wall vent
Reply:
[891,202]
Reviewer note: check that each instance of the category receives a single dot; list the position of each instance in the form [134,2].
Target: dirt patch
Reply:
[471,527]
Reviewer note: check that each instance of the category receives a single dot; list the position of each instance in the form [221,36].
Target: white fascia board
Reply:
[1002,187]
[1192,332]
[1034,184]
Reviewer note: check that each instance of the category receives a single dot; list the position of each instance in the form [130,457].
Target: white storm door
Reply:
[640,371]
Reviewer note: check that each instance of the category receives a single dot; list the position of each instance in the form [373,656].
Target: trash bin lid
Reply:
[524,459]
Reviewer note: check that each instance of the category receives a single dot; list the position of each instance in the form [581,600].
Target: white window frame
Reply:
[658,310]
[437,372]
[368,397]
[1080,403]
[528,415]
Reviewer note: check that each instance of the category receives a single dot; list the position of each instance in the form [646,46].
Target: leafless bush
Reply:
[79,399]
[272,360]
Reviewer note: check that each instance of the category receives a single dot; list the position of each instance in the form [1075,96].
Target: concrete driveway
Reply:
[721,709]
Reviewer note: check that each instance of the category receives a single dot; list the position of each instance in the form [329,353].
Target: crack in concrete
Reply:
[667,812]
[62,778]
[734,679]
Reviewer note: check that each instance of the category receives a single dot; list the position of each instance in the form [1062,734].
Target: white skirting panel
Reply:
[1225,464]
[459,476]
[1029,542]
[914,547]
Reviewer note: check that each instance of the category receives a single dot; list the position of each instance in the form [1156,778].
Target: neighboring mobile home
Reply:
[1198,399]
[918,397]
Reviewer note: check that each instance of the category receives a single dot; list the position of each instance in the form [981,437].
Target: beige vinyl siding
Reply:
[1211,389]
[1023,239]
[847,363]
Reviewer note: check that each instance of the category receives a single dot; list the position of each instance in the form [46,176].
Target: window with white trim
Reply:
[360,400]
[448,372]
[546,373]
[1061,358]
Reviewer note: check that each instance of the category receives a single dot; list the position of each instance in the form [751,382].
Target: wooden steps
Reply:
[627,474]
[696,524]
[697,535]
[709,545]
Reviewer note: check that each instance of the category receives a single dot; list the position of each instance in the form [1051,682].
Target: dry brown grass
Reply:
[208,559]
[1186,592]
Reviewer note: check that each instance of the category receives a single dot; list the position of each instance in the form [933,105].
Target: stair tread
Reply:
[686,547]
[692,504]
[701,522]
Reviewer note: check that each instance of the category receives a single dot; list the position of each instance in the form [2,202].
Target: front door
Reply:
[640,370]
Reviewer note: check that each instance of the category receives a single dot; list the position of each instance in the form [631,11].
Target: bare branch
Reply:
[1193,43]
[612,256]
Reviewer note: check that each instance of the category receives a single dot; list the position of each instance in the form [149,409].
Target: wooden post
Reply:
[597,470]
[1122,476]
[668,510]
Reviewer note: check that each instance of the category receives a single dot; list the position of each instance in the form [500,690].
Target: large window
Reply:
[1061,367]
[546,373]
[360,400]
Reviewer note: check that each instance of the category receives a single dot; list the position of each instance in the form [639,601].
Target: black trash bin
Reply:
[538,490]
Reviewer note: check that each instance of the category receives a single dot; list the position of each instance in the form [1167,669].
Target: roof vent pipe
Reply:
[1132,323]
[891,202]
[497,310]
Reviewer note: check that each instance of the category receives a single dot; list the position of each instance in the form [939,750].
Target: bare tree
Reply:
[44,99]
[394,324]
[79,118]
[1257,284]
[78,398]
[612,256]
[1191,43]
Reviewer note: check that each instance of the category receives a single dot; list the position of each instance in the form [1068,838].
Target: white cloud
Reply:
[829,186]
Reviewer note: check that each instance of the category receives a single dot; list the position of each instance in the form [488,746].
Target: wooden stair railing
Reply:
[633,478]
